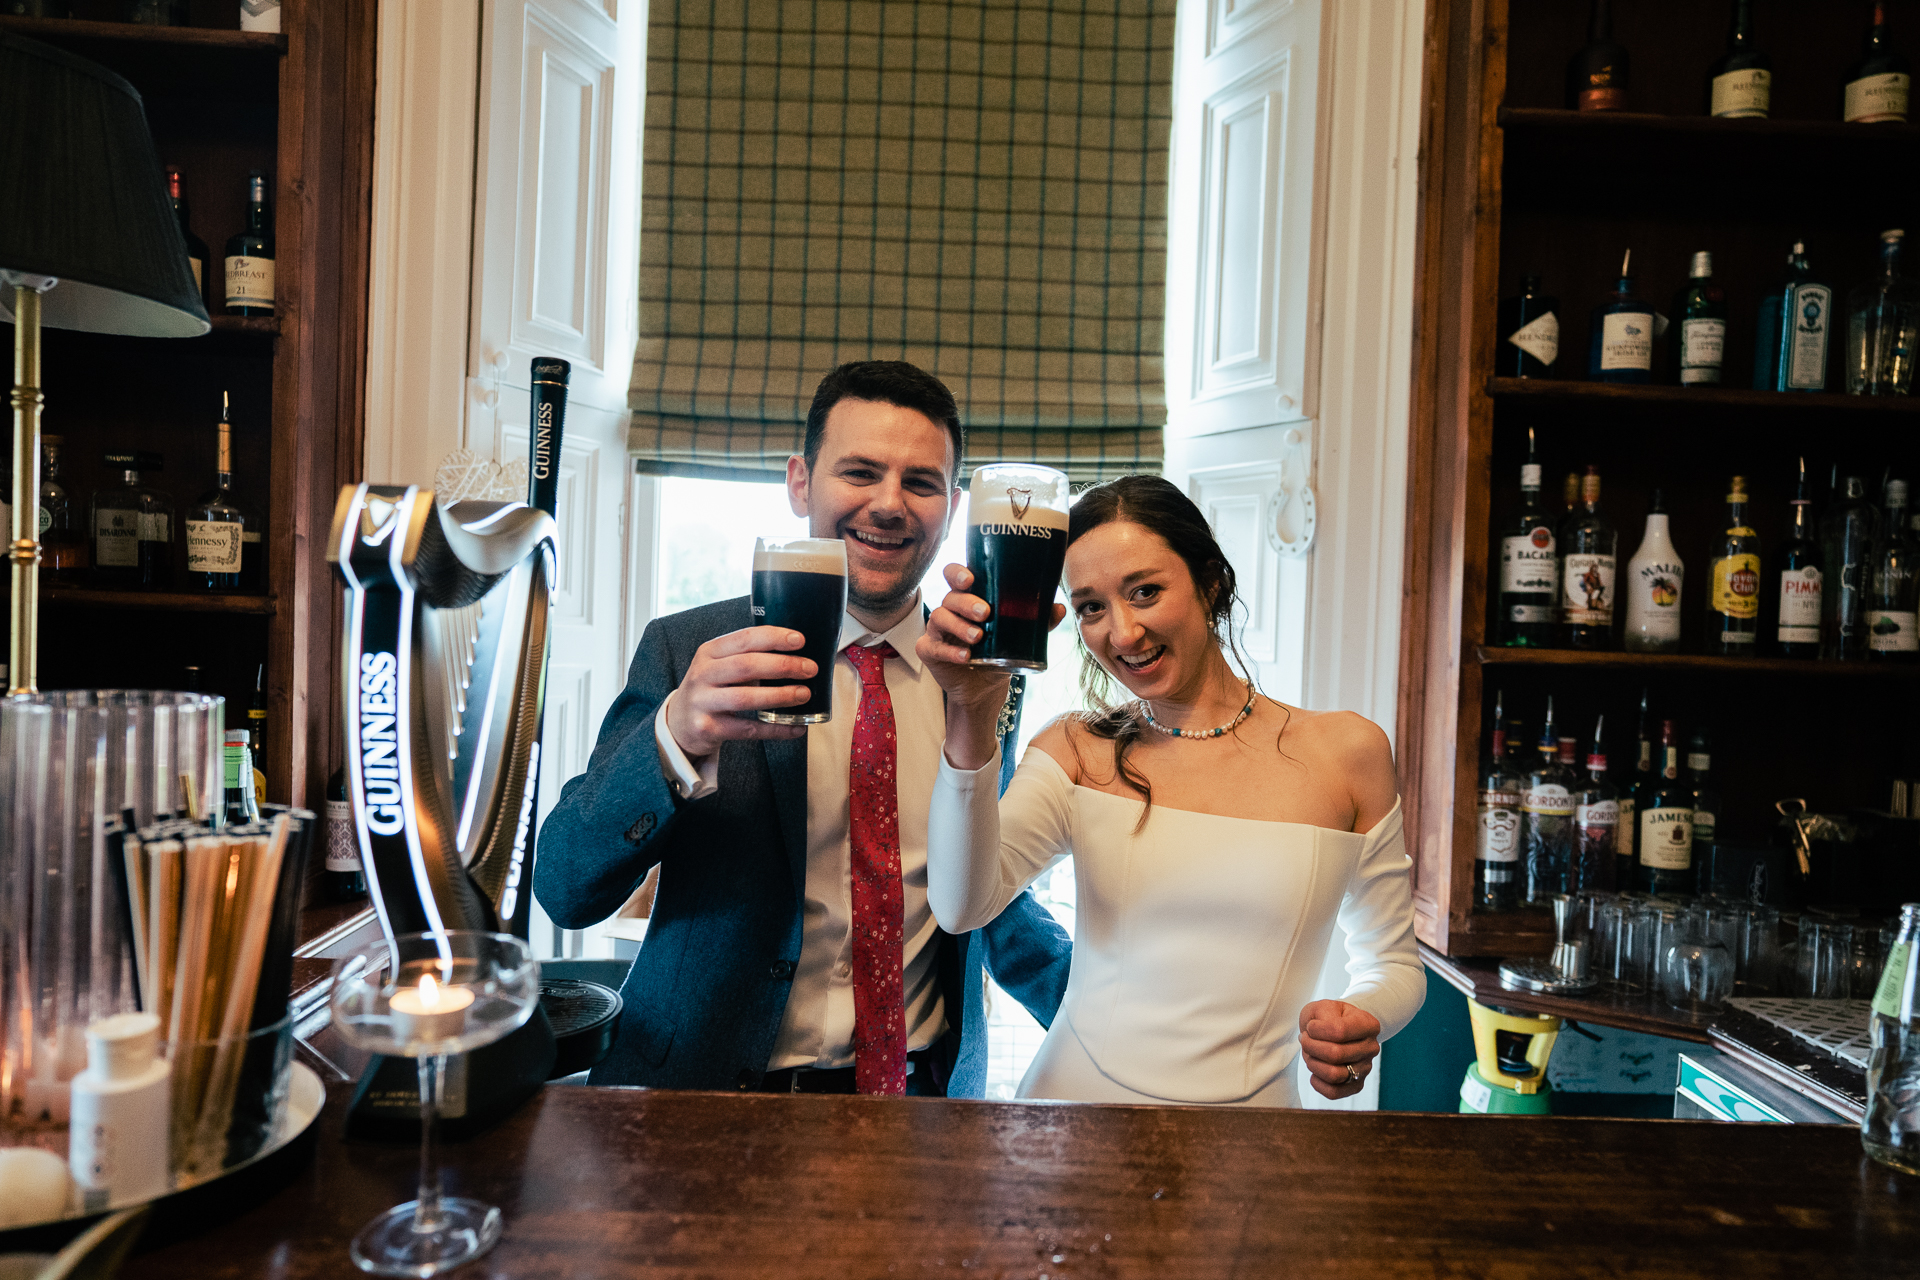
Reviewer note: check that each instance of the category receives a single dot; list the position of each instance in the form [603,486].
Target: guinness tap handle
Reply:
[548,422]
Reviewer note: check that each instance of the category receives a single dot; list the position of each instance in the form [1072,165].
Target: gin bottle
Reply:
[1883,328]
[1496,857]
[1529,333]
[1891,634]
[1790,353]
[1546,819]
[1596,820]
[1890,1130]
[1655,577]
[1529,566]
[1622,345]
[1700,338]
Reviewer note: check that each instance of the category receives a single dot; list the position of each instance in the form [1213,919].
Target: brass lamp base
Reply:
[23,545]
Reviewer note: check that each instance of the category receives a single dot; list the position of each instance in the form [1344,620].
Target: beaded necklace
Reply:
[1147,710]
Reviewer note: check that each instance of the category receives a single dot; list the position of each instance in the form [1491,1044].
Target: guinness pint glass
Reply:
[1016,543]
[801,583]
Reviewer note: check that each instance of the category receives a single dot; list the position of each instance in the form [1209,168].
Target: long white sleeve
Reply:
[982,851]
[1383,960]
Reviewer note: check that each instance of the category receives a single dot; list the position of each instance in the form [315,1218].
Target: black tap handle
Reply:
[549,420]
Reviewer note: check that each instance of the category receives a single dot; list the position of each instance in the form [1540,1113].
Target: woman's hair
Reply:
[1159,507]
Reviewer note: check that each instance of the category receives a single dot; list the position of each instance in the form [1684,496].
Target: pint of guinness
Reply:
[801,583]
[1016,543]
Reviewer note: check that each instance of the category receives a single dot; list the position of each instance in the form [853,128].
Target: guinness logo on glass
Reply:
[1019,500]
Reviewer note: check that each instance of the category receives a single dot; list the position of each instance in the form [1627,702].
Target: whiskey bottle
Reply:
[1706,805]
[1529,333]
[1596,820]
[1891,633]
[1877,85]
[1546,819]
[1598,74]
[1790,353]
[63,544]
[345,877]
[196,247]
[1655,577]
[1740,83]
[1587,572]
[223,546]
[1700,341]
[1883,327]
[1798,626]
[1847,534]
[1529,566]
[1625,872]
[1623,332]
[249,264]
[1665,813]
[1496,855]
[1733,603]
[132,526]
[257,732]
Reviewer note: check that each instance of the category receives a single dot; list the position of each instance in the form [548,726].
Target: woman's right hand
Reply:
[974,694]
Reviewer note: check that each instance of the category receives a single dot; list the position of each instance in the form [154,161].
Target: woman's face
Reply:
[1138,610]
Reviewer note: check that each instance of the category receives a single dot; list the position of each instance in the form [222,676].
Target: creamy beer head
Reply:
[800,555]
[1016,499]
[801,583]
[1016,543]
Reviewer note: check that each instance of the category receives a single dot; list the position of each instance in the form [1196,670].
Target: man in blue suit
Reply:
[791,947]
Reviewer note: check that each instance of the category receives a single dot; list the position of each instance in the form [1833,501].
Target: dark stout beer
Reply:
[1016,543]
[801,583]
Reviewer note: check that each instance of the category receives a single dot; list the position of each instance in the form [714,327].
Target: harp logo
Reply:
[1019,500]
[379,744]
[510,893]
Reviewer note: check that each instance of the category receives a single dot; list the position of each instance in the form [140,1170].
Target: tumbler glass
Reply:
[1822,959]
[1668,925]
[1696,977]
[1757,955]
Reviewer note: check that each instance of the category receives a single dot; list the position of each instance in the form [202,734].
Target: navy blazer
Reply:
[705,996]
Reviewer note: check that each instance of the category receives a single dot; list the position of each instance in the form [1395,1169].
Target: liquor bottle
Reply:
[1740,82]
[1587,572]
[1790,353]
[1665,813]
[1847,534]
[250,256]
[1496,855]
[158,13]
[1883,327]
[1893,1029]
[1597,76]
[1546,819]
[222,543]
[1569,507]
[1733,600]
[132,526]
[1706,804]
[1877,85]
[1625,868]
[1622,346]
[1529,333]
[63,544]
[238,763]
[1799,612]
[345,878]
[1529,566]
[1596,820]
[1891,633]
[183,214]
[257,732]
[1655,577]
[1700,340]
[260,15]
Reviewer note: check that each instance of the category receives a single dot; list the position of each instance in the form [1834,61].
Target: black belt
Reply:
[827,1079]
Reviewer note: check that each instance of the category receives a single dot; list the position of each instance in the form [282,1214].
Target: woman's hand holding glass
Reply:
[974,694]
[1339,1042]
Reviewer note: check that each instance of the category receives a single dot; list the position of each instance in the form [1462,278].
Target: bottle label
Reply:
[1528,563]
[1699,761]
[1893,978]
[249,282]
[1588,594]
[1874,99]
[46,520]
[1530,613]
[1891,631]
[1623,833]
[116,538]
[1702,350]
[156,526]
[1499,837]
[236,762]
[1539,338]
[1666,838]
[1743,94]
[1736,586]
[1654,610]
[213,546]
[1598,822]
[1626,340]
[259,15]
[1550,801]
[1800,606]
[343,851]
[1702,827]
[1807,356]
[198,269]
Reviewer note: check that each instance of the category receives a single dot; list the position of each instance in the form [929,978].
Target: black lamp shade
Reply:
[83,199]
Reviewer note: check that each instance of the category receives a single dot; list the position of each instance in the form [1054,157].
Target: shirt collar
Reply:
[902,637]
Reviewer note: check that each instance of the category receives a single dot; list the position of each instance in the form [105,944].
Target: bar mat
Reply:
[1838,1027]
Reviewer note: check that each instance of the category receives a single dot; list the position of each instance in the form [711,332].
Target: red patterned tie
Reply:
[879,997]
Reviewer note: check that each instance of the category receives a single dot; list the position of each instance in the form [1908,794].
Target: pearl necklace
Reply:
[1147,711]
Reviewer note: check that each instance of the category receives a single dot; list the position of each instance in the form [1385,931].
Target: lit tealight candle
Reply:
[430,1012]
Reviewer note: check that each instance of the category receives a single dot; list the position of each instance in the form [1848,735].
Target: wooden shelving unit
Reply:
[1514,184]
[60,598]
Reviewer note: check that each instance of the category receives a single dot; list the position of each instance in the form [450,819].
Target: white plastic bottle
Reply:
[1655,576]
[118,1140]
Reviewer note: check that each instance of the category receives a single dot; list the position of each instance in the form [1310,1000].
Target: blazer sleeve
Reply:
[607,829]
[1385,976]
[981,852]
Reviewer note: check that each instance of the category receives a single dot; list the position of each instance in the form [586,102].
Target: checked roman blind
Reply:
[977,187]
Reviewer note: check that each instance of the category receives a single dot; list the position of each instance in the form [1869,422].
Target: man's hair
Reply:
[892,382]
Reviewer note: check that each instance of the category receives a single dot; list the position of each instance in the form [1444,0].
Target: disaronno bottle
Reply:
[1654,579]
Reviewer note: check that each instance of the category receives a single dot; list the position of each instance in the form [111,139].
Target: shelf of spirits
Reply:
[55,597]
[1688,664]
[71,30]
[1627,396]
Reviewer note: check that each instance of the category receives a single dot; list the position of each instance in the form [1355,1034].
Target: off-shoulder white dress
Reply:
[1197,941]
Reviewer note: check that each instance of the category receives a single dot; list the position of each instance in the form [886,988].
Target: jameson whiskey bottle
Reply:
[1891,634]
[1655,576]
[1587,572]
[1529,566]
[1733,604]
[1740,83]
[1597,76]
[1798,626]
[1665,812]
[1596,820]
[1625,867]
[1700,337]
[1496,857]
[1877,85]
[1546,819]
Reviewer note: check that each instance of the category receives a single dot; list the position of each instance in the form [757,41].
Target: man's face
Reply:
[881,482]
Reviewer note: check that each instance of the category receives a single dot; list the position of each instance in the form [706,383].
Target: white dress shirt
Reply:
[817,1029]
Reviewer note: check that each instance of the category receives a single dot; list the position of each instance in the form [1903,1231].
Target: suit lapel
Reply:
[787,765]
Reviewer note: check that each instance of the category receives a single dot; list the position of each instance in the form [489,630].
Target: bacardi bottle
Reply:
[1529,566]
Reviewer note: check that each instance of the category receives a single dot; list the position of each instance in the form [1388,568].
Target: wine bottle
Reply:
[345,878]
[1733,601]
[1596,820]
[1798,615]
[1497,848]
[1706,806]
[1623,330]
[183,214]
[1529,566]
[1700,339]
[1740,83]
[1790,353]
[1891,633]
[249,264]
[1597,76]
[1847,534]
[1529,333]
[1666,825]
[1655,577]
[1877,85]
[1546,819]
[1587,572]
[1883,327]
[223,544]
[1625,867]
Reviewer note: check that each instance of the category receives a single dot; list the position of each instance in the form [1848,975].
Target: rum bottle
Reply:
[1891,633]
[1655,577]
[1798,626]
[1587,572]
[1529,566]
[1733,602]
[1496,856]
[1665,814]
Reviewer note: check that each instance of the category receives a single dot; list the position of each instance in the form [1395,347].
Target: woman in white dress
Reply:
[1217,835]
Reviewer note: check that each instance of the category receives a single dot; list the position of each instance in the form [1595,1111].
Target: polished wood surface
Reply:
[1478,978]
[619,1183]
[1689,664]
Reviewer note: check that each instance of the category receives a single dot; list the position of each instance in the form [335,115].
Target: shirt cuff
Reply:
[688,781]
[965,781]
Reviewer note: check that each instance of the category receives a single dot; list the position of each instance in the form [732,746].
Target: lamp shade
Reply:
[83,199]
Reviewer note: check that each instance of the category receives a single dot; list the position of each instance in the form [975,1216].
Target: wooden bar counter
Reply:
[632,1182]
